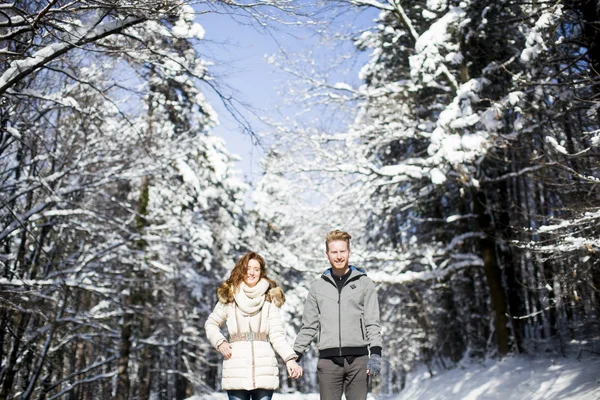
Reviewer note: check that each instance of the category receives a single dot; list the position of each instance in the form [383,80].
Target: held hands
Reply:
[294,370]
[374,365]
[225,349]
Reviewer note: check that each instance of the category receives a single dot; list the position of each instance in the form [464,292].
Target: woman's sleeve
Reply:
[213,324]
[277,335]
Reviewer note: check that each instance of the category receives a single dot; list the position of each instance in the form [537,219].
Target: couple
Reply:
[341,311]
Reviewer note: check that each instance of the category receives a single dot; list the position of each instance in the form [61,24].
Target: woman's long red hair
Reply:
[241,269]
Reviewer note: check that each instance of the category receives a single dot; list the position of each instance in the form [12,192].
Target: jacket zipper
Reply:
[340,313]
[362,330]
[340,319]
[253,366]
[340,308]
[252,356]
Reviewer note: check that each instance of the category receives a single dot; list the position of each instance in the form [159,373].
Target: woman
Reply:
[249,302]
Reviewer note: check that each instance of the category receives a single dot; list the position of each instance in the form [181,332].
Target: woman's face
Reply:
[253,273]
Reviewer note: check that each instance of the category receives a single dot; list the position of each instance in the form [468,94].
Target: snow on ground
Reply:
[511,379]
[514,378]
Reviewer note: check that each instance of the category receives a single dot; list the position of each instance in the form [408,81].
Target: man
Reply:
[342,311]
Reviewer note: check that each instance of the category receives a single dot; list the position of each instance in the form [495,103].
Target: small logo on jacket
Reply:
[353,286]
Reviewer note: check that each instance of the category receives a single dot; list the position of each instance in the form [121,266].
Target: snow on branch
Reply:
[73,385]
[372,3]
[428,63]
[523,171]
[561,149]
[535,43]
[21,68]
[73,283]
[588,218]
[89,368]
[531,315]
[424,276]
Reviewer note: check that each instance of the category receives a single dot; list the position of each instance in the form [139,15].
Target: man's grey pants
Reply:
[350,379]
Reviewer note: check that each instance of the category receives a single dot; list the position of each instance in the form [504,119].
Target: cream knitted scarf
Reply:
[251,299]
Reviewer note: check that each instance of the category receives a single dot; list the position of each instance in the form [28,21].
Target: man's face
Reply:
[338,255]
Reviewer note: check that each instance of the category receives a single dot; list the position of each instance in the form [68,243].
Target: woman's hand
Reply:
[225,349]
[294,370]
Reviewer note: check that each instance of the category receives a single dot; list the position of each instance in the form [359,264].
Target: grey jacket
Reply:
[346,322]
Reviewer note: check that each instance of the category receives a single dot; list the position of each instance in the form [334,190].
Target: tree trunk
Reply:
[9,376]
[591,32]
[42,357]
[142,297]
[106,384]
[144,374]
[82,346]
[180,381]
[4,319]
[515,303]
[124,354]
[492,273]
[136,298]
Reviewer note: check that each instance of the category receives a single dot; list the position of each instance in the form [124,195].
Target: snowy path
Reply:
[515,378]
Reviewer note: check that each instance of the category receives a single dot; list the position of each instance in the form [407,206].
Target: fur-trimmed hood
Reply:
[226,293]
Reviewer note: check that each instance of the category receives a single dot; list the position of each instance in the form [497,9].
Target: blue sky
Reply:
[239,55]
[239,51]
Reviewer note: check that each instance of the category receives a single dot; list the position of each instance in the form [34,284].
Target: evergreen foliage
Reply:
[467,177]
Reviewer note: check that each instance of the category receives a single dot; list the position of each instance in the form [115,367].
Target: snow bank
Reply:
[510,379]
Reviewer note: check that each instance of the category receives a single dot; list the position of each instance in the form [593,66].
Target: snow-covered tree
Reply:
[475,129]
[120,212]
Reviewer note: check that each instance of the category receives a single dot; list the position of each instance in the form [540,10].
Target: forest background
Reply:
[464,161]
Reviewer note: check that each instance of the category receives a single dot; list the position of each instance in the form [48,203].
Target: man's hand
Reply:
[225,349]
[374,365]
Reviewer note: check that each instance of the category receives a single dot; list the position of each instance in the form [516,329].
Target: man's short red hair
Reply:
[336,235]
